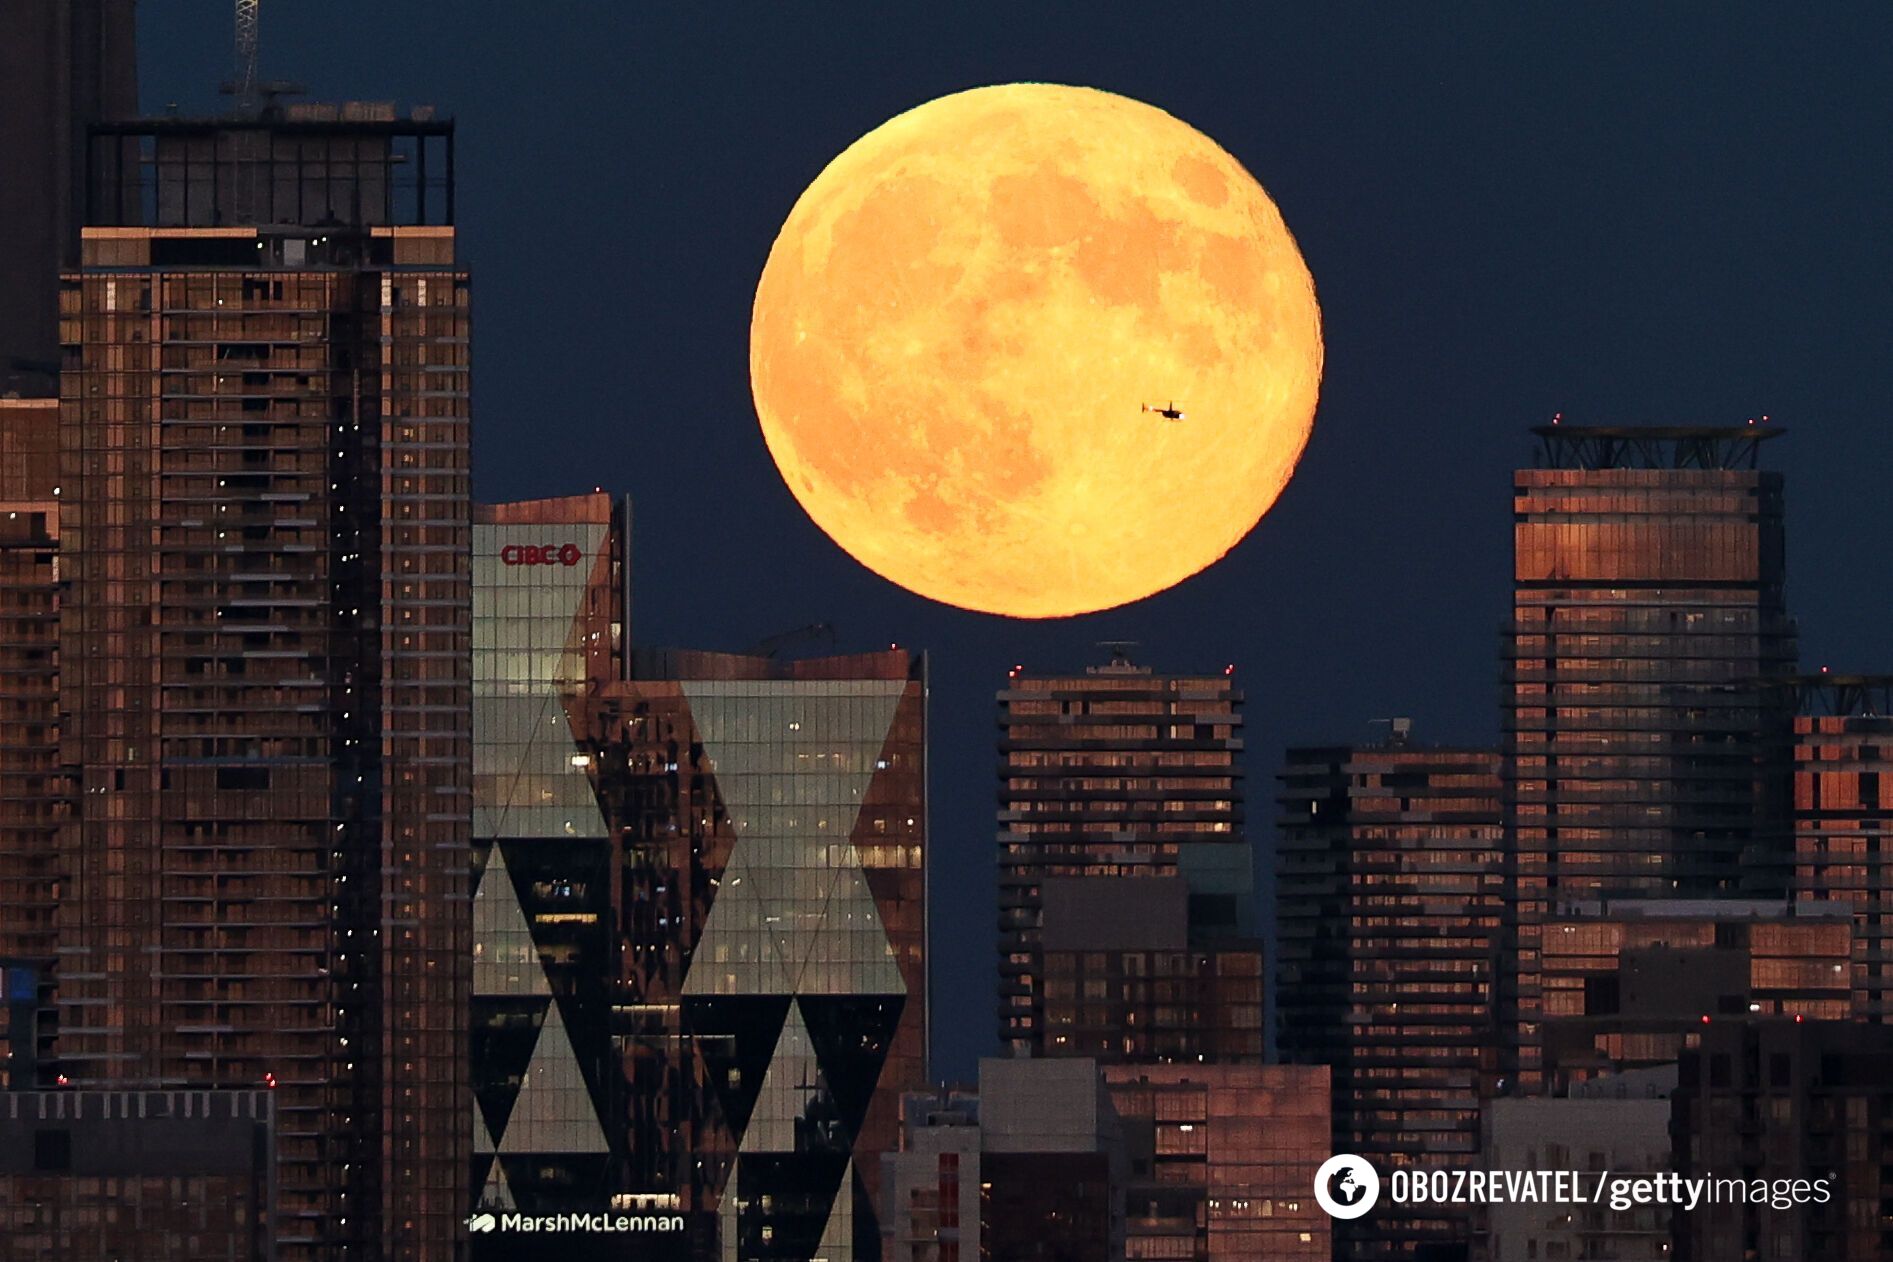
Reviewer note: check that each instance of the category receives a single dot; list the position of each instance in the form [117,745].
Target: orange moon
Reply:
[965,316]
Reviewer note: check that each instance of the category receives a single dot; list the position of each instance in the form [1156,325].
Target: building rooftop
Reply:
[353,164]
[1563,446]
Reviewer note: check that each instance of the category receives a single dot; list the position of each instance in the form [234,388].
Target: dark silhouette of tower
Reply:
[64,64]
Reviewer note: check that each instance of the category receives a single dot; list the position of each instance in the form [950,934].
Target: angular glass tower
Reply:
[699,957]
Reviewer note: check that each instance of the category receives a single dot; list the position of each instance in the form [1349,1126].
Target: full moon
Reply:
[1035,350]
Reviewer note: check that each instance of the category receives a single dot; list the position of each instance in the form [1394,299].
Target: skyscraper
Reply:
[1843,819]
[1643,756]
[1390,905]
[64,64]
[550,1098]
[265,651]
[1126,937]
[779,841]
[699,950]
[1123,868]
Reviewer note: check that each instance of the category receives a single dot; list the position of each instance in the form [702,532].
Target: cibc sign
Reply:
[541,554]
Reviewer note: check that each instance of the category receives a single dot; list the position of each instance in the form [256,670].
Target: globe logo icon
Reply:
[1346,1186]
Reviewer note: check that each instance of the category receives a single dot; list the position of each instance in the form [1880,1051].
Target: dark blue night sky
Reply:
[1624,213]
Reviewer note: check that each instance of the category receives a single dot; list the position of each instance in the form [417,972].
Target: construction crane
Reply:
[247,90]
[248,86]
[813,631]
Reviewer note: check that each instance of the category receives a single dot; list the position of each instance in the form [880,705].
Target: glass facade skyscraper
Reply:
[548,619]
[699,953]
[1644,756]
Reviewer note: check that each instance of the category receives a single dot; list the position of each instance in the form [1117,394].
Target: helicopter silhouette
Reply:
[1168,412]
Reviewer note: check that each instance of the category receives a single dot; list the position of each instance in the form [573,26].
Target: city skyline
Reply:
[517,837]
[1506,215]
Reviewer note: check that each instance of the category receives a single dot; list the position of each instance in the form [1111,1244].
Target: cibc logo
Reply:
[541,554]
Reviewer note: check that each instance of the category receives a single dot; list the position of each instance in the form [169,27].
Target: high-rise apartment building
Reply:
[1125,879]
[34,794]
[1843,820]
[699,949]
[1389,924]
[1644,757]
[64,64]
[265,650]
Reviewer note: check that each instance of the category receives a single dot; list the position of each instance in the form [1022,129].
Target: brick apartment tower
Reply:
[1644,757]
[265,641]
[1843,819]
[1390,909]
[1126,935]
[1125,880]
